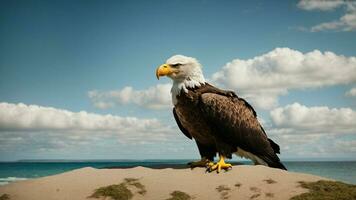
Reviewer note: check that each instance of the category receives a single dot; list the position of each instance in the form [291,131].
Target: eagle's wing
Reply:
[208,152]
[184,130]
[235,123]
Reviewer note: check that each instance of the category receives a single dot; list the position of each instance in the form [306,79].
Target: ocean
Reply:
[16,171]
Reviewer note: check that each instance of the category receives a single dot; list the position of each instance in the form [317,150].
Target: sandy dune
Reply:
[242,182]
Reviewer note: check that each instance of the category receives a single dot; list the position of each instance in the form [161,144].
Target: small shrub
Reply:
[178,195]
[327,190]
[5,197]
[116,192]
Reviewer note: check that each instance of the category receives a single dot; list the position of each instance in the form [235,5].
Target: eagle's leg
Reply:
[204,162]
[219,165]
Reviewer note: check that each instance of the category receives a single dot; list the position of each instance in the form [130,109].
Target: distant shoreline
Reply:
[158,160]
[338,170]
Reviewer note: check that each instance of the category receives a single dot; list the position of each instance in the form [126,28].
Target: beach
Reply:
[242,182]
[20,170]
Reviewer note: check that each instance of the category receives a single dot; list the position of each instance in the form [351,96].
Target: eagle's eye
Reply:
[176,65]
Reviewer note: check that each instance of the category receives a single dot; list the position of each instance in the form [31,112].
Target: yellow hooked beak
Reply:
[164,70]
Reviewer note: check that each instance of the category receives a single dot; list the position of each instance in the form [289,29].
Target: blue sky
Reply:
[53,53]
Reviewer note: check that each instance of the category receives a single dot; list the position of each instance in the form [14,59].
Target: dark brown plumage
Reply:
[221,122]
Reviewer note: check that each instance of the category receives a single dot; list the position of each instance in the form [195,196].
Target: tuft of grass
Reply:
[238,185]
[142,189]
[327,190]
[130,180]
[270,195]
[179,195]
[255,189]
[5,197]
[119,191]
[270,181]
[115,192]
[134,182]
[224,195]
[224,191]
[222,188]
[255,196]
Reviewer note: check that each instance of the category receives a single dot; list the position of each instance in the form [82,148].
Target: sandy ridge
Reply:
[242,182]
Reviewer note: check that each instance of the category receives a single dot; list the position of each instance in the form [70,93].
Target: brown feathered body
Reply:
[221,122]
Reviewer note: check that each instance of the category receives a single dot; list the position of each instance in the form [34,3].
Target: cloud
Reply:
[264,78]
[261,80]
[18,121]
[351,92]
[33,117]
[346,146]
[155,97]
[299,119]
[326,26]
[313,132]
[320,4]
[347,22]
[51,132]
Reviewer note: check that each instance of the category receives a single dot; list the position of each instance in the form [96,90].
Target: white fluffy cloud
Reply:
[32,131]
[320,4]
[351,92]
[317,131]
[347,22]
[21,120]
[346,146]
[263,78]
[155,97]
[299,119]
[32,117]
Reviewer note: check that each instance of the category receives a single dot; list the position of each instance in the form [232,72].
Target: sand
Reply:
[242,182]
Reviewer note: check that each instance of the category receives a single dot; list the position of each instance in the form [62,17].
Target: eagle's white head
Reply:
[185,72]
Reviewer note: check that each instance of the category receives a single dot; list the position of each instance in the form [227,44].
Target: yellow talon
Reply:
[209,164]
[219,165]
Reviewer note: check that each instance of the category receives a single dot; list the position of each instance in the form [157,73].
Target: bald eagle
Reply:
[218,120]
